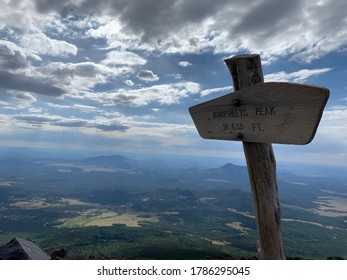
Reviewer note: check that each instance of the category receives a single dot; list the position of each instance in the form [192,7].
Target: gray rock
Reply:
[22,249]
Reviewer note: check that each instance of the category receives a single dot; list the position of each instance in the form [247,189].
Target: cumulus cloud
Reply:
[27,84]
[264,17]
[305,30]
[112,30]
[163,17]
[129,83]
[11,56]
[25,96]
[147,75]
[123,58]
[19,14]
[80,77]
[214,90]
[167,94]
[184,63]
[18,74]
[297,76]
[41,44]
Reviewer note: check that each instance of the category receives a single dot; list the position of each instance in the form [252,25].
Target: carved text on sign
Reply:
[243,113]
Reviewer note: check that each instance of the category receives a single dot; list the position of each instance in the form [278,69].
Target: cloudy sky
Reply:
[119,75]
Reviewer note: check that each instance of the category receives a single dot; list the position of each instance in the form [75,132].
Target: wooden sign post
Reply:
[259,114]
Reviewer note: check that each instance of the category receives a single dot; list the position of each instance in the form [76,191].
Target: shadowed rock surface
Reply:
[56,253]
[22,249]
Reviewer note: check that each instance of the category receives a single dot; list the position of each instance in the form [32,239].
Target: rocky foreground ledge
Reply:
[24,249]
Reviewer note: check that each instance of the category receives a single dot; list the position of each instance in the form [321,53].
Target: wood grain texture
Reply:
[246,71]
[283,113]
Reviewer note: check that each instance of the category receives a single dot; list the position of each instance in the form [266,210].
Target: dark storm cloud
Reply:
[157,18]
[268,16]
[45,6]
[28,84]
[148,18]
[305,29]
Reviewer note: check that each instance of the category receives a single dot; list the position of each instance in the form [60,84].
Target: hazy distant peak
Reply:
[229,165]
[113,160]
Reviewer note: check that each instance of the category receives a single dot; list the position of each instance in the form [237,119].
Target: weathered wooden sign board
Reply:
[283,113]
